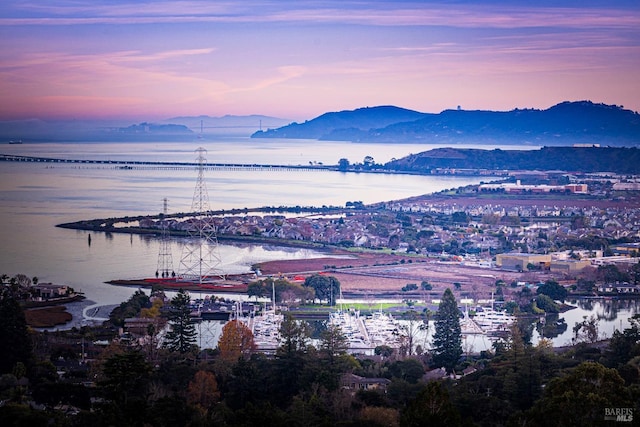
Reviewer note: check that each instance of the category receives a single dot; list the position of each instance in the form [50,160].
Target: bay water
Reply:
[35,197]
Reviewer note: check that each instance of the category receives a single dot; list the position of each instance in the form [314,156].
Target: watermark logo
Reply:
[624,415]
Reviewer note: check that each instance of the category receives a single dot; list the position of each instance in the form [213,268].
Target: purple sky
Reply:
[297,60]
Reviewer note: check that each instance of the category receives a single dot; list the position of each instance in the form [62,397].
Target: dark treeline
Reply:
[67,379]
[571,159]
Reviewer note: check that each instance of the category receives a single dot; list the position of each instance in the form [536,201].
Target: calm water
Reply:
[36,197]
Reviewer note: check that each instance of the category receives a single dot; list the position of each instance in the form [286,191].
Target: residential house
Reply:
[355,383]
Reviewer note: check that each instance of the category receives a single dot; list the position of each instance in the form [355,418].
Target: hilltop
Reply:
[562,124]
[571,159]
[329,126]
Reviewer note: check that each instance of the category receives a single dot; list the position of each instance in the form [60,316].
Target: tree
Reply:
[544,302]
[553,289]
[409,287]
[379,416]
[14,334]
[408,332]
[181,336]
[294,336]
[460,217]
[333,343]
[326,287]
[432,407]
[130,308]
[410,370]
[368,162]
[290,357]
[333,356]
[283,289]
[256,289]
[426,286]
[586,331]
[625,345]
[235,341]
[447,338]
[383,350]
[126,378]
[343,165]
[610,274]
[581,397]
[203,390]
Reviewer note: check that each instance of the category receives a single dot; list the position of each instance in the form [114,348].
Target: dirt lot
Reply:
[47,317]
[385,275]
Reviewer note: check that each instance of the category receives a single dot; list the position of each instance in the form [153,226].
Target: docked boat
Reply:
[266,330]
[468,326]
[491,320]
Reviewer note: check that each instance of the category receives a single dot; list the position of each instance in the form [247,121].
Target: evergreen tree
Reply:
[447,338]
[333,357]
[14,334]
[182,333]
[125,386]
[290,357]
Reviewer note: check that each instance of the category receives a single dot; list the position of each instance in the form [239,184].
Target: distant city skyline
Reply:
[153,60]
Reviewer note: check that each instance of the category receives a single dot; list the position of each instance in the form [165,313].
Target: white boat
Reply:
[382,330]
[491,320]
[266,330]
[469,327]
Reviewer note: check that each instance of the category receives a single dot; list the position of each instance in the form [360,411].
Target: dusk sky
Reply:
[296,60]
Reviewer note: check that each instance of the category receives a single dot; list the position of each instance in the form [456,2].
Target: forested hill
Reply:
[330,124]
[570,159]
[563,124]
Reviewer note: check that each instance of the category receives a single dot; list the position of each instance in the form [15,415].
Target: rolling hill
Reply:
[562,124]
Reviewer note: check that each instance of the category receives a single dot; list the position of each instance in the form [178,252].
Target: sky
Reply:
[151,60]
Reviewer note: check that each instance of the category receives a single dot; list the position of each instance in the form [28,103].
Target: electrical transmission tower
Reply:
[165,259]
[200,258]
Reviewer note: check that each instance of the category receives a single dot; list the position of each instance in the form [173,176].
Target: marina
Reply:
[38,196]
[364,333]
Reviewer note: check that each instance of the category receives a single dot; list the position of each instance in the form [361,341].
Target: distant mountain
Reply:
[340,125]
[569,159]
[155,129]
[563,124]
[173,129]
[228,124]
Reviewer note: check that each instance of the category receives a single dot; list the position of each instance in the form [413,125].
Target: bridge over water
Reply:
[134,164]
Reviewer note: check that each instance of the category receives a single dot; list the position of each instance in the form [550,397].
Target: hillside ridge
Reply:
[565,123]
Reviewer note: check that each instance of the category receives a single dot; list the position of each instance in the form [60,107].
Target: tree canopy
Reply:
[326,287]
[552,289]
[14,335]
[235,341]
